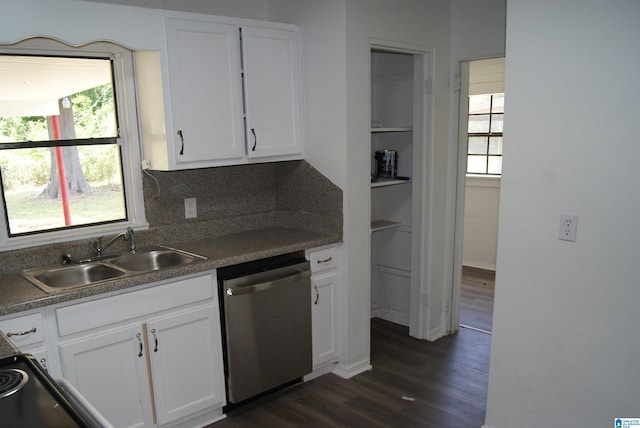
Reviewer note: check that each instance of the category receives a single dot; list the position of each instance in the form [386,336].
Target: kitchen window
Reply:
[67,152]
[484,133]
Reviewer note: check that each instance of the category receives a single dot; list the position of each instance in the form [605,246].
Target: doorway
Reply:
[481,110]
[400,100]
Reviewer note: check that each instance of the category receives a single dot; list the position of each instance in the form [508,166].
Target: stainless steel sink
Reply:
[152,260]
[64,277]
[91,271]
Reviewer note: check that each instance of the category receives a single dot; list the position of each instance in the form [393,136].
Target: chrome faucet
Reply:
[132,240]
[128,235]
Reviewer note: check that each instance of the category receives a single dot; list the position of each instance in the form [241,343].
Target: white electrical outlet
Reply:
[190,208]
[568,227]
[146,164]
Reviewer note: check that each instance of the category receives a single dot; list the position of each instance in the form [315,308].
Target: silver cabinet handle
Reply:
[182,140]
[43,363]
[325,260]
[315,287]
[22,333]
[155,338]
[139,336]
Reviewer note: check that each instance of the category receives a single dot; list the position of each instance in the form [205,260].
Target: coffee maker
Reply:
[386,165]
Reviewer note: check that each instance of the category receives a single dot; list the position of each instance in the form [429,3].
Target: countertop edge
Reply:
[26,296]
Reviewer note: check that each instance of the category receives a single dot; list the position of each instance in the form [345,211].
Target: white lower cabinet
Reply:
[185,362]
[110,371]
[324,300]
[323,315]
[158,367]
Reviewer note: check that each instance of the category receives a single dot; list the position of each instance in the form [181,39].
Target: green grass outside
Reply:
[30,210]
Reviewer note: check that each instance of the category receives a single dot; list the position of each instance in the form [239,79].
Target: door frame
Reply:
[423,72]
[461,89]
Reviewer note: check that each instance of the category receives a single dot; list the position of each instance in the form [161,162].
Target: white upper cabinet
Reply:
[272,95]
[232,95]
[206,92]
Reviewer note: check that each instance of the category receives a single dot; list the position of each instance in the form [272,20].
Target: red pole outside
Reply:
[64,193]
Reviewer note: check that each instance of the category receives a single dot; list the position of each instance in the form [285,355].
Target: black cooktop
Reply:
[30,398]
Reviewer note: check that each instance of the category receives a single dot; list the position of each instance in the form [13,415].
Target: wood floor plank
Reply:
[476,298]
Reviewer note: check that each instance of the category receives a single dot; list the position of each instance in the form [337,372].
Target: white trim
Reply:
[391,315]
[130,150]
[347,372]
[319,371]
[482,180]
[459,141]
[436,333]
[479,265]
[423,119]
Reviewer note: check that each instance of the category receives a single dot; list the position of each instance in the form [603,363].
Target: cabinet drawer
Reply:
[126,306]
[323,259]
[24,330]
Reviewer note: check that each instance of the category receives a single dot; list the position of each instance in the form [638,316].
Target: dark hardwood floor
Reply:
[476,299]
[413,383]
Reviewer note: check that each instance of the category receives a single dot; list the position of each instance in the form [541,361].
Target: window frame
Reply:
[486,135]
[127,140]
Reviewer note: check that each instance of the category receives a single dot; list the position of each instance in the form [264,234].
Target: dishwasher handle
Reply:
[263,286]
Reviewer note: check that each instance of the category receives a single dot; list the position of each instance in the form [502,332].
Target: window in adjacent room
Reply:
[484,154]
[63,151]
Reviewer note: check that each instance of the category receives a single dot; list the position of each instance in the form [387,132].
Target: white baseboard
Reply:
[479,265]
[353,370]
[392,315]
[319,371]
[436,334]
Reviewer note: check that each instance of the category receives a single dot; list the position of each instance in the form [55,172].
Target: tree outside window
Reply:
[60,156]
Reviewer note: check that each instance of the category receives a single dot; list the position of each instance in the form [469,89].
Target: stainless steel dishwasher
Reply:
[267,324]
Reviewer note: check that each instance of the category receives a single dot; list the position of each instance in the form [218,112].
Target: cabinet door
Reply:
[185,354]
[323,313]
[110,371]
[272,91]
[206,91]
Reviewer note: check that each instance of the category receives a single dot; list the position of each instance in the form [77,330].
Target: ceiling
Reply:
[32,85]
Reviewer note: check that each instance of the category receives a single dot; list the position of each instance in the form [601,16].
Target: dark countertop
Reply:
[17,294]
[6,347]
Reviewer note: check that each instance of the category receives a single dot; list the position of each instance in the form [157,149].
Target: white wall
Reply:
[566,346]
[478,28]
[337,124]
[481,202]
[423,23]
[249,9]
[482,194]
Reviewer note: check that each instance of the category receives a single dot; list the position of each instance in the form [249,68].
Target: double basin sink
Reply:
[93,271]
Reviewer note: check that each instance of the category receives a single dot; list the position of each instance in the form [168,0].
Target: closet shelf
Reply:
[383,183]
[379,225]
[378,130]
